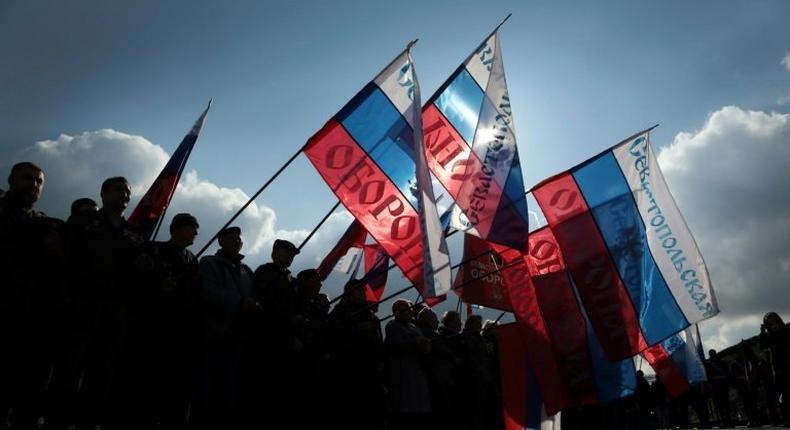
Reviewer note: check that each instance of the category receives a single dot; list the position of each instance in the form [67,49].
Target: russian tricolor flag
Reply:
[677,362]
[148,213]
[630,254]
[471,147]
[584,374]
[371,154]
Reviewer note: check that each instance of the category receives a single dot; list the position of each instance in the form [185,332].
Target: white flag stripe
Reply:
[675,252]
[495,139]
[346,262]
[459,221]
[438,276]
[479,63]
[397,82]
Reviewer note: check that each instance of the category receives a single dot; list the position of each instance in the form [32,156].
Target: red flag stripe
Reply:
[605,298]
[370,196]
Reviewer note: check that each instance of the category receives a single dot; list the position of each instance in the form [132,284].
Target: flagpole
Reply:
[320,223]
[254,196]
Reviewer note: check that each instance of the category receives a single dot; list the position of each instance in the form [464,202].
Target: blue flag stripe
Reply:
[613,379]
[460,103]
[623,230]
[380,129]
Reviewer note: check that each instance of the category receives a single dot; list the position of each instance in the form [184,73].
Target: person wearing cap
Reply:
[356,362]
[309,352]
[228,297]
[267,355]
[274,288]
[165,341]
[405,346]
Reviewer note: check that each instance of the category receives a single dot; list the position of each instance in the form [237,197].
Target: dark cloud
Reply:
[731,180]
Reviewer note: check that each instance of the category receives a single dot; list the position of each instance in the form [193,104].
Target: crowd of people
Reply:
[102,329]
[745,389]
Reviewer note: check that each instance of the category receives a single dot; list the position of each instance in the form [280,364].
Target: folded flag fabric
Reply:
[630,254]
[148,213]
[353,237]
[677,362]
[471,147]
[585,375]
[371,155]
[376,262]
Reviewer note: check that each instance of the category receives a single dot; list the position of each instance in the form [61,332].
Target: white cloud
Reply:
[731,181]
[786,61]
[76,165]
[783,100]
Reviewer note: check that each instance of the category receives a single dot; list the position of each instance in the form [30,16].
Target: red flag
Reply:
[524,299]
[479,281]
[513,375]
[589,262]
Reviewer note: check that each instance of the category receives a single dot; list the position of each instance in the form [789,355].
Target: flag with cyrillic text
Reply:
[584,374]
[368,155]
[638,270]
[471,147]
[478,280]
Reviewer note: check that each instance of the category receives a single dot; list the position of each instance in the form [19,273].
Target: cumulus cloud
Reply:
[786,61]
[730,180]
[76,165]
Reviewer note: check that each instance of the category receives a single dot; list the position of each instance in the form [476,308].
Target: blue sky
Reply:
[581,75]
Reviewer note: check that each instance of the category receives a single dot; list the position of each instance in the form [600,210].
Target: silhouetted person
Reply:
[775,337]
[31,276]
[268,392]
[476,373]
[409,399]
[718,376]
[163,353]
[104,256]
[439,364]
[769,385]
[228,297]
[356,362]
[745,379]
[644,401]
[308,363]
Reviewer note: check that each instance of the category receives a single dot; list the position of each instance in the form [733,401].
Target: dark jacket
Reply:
[224,284]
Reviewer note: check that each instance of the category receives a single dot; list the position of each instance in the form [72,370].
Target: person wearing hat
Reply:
[167,343]
[228,297]
[272,335]
[309,353]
